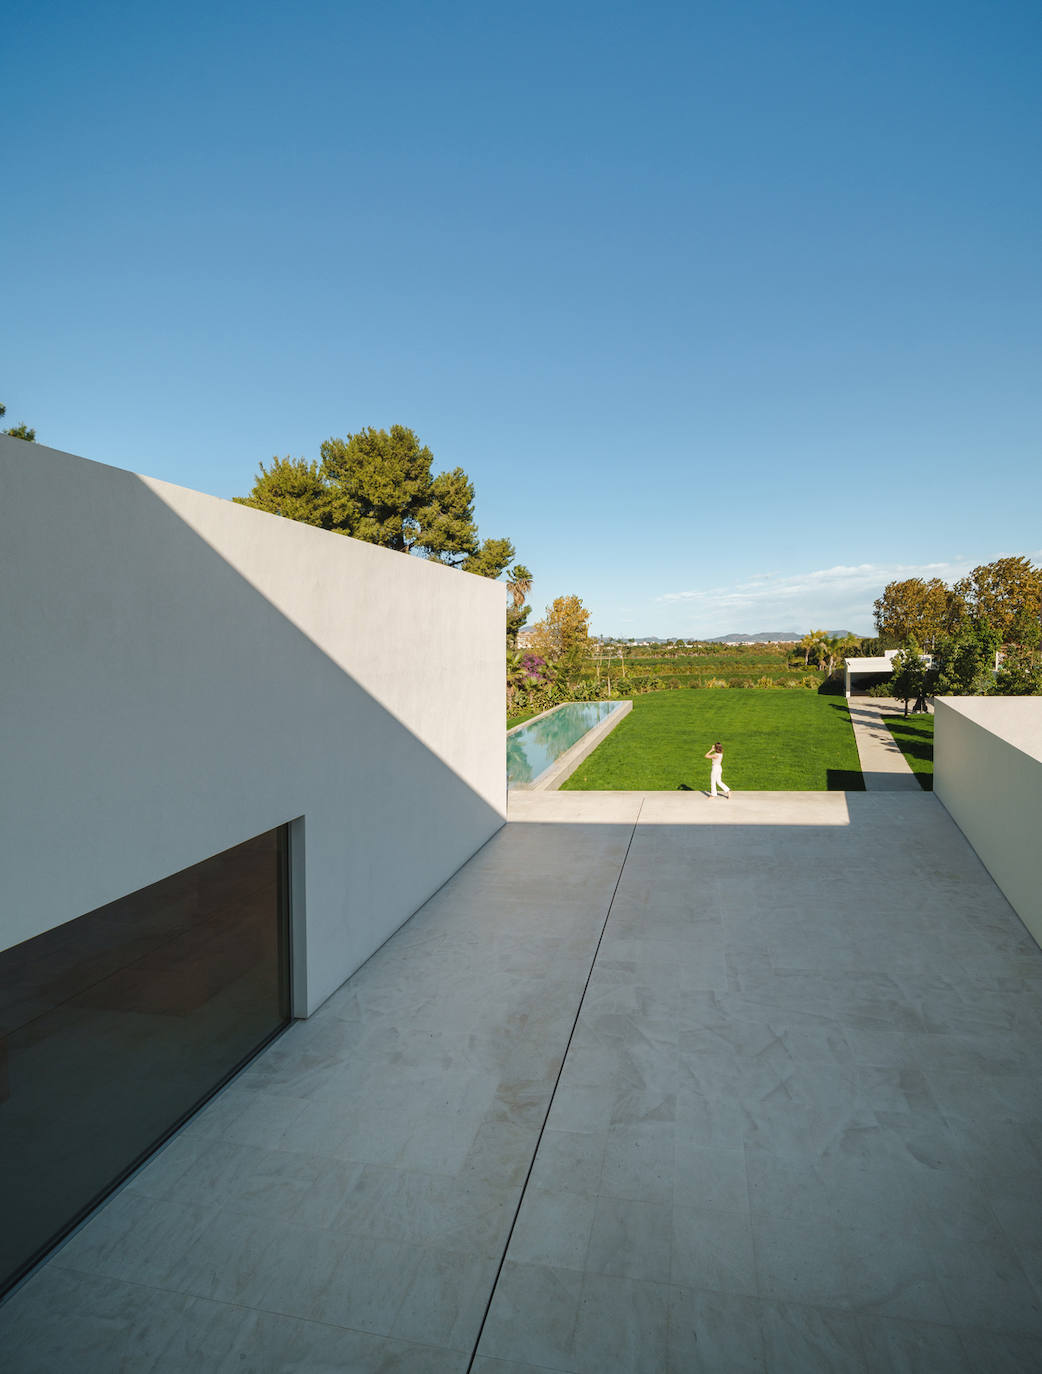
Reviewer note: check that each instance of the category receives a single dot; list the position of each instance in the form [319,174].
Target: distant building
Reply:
[871,668]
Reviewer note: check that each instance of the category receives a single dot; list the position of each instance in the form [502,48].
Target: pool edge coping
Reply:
[532,719]
[550,779]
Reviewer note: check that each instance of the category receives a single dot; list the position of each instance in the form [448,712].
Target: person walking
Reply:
[716,772]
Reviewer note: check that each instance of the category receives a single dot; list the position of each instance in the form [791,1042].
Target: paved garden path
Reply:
[651,1085]
[883,766]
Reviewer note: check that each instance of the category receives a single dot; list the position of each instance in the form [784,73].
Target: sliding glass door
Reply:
[117,1025]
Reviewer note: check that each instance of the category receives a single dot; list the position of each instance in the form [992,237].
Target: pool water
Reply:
[533,748]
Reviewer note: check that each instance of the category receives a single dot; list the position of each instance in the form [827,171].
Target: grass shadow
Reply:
[907,727]
[918,748]
[845,780]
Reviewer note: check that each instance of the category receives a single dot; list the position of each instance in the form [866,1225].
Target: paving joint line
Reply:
[549,1105]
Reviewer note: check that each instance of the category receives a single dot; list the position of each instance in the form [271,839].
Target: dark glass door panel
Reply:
[117,1025]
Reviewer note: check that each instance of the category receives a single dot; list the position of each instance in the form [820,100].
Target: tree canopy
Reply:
[1020,674]
[378,486]
[1006,593]
[827,650]
[964,663]
[563,636]
[912,677]
[914,609]
[292,487]
[18,431]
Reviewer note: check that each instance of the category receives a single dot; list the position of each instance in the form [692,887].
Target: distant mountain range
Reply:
[762,637]
[765,637]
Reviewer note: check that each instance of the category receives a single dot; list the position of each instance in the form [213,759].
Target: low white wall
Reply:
[988,774]
[180,673]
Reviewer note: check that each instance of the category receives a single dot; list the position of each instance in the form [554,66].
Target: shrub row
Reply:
[781,678]
[701,667]
[541,697]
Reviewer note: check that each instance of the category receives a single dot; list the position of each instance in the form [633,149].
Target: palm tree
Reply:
[519,584]
[845,646]
[815,645]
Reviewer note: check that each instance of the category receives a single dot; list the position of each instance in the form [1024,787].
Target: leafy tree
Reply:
[912,678]
[562,638]
[1026,631]
[1020,674]
[914,609]
[384,492]
[1004,592]
[18,431]
[515,623]
[965,662]
[292,487]
[492,558]
[377,486]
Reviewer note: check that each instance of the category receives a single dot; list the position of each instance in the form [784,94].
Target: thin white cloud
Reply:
[839,597]
[773,587]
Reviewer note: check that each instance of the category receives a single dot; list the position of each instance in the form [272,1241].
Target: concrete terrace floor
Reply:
[654,1083]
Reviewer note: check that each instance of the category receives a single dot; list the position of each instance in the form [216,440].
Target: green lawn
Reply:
[521,717]
[914,738]
[778,741]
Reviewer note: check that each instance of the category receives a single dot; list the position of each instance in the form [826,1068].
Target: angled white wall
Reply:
[988,774]
[181,673]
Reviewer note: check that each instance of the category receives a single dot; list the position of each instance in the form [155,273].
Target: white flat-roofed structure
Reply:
[867,667]
[183,673]
[988,775]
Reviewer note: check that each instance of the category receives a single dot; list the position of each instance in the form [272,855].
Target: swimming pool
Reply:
[534,748]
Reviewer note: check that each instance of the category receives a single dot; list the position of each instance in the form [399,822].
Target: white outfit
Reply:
[716,776]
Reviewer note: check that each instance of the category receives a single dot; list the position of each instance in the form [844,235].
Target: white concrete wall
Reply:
[988,774]
[180,673]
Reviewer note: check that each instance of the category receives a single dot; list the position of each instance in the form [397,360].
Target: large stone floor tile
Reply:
[800,1261]
[800,1339]
[484,1364]
[136,1239]
[574,808]
[630,1240]
[905,1347]
[533,1316]
[63,1321]
[712,1249]
[986,1286]
[622,1326]
[553,1228]
[445,1298]
[999,1352]
[711,1332]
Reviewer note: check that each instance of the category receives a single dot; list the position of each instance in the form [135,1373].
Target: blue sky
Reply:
[732,312]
